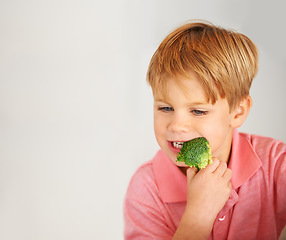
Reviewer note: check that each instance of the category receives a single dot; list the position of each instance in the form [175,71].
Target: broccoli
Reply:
[196,153]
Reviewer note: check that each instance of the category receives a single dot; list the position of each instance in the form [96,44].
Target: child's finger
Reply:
[229,186]
[221,169]
[212,167]
[191,172]
[227,174]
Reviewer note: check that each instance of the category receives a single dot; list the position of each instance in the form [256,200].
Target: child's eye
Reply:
[199,112]
[165,109]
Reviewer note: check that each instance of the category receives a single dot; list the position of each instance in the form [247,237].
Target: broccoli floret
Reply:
[196,153]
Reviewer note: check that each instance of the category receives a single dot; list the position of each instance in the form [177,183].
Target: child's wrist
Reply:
[199,216]
[194,226]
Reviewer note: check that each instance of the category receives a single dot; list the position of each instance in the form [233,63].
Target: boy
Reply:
[200,77]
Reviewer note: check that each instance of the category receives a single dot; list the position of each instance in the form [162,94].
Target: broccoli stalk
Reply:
[196,153]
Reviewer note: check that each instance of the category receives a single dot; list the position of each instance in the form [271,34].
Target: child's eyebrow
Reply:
[159,99]
[198,103]
[189,104]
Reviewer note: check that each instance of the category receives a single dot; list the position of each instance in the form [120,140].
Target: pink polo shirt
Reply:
[157,194]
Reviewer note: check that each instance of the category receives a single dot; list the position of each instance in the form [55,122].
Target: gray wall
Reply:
[76,112]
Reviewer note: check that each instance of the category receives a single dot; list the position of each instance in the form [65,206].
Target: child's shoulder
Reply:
[144,172]
[266,147]
[267,144]
[142,181]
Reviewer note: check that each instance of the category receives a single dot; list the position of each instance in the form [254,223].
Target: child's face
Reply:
[181,117]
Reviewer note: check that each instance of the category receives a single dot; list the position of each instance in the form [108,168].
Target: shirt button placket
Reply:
[221,226]
[222,218]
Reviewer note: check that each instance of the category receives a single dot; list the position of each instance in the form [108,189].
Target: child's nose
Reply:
[179,124]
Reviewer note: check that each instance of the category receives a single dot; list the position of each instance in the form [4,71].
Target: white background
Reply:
[76,112]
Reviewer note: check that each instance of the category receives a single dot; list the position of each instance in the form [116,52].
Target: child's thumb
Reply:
[191,172]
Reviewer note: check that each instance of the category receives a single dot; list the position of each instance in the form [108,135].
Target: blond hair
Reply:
[225,61]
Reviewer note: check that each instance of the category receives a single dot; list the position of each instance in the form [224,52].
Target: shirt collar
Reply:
[172,183]
[244,161]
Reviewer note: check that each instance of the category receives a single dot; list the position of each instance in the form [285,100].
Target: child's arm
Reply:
[208,191]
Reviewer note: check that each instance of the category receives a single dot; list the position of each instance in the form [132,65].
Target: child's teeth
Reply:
[178,144]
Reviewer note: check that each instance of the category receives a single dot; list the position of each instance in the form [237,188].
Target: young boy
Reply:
[200,76]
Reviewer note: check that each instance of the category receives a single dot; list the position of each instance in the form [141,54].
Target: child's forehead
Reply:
[190,89]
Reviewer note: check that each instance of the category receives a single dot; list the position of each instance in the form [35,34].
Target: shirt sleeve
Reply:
[279,184]
[144,216]
[144,222]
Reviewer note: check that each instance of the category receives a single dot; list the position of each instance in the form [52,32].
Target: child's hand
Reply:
[208,190]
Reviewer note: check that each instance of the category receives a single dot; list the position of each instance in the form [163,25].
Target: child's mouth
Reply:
[175,146]
[178,145]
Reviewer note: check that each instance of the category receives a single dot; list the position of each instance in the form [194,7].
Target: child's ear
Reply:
[240,113]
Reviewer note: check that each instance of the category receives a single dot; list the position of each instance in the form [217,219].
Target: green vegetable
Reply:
[196,153]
